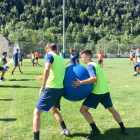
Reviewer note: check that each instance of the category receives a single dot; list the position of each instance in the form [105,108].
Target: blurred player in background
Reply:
[131,57]
[100,59]
[77,57]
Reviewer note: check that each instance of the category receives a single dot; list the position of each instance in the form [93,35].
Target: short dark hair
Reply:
[4,53]
[72,50]
[17,49]
[86,52]
[51,46]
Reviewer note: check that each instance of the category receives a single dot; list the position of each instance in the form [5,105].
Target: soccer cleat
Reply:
[66,132]
[12,73]
[124,132]
[135,75]
[93,134]
[2,80]
[21,72]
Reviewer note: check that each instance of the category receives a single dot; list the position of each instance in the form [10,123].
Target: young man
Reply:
[36,56]
[60,54]
[51,95]
[131,57]
[99,94]
[33,58]
[21,55]
[3,61]
[72,58]
[16,62]
[137,65]
[100,59]
[77,57]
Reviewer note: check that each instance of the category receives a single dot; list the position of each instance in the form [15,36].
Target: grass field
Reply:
[19,95]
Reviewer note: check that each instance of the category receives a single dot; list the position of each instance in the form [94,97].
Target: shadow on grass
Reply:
[33,73]
[110,67]
[21,79]
[17,86]
[8,119]
[6,99]
[114,134]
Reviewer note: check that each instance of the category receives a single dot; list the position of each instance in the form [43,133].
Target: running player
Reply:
[131,57]
[36,56]
[16,61]
[100,59]
[3,61]
[21,55]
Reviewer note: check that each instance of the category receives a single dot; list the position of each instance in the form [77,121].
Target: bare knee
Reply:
[36,113]
[84,109]
[53,110]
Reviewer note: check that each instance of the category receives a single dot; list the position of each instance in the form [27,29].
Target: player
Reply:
[137,65]
[100,59]
[33,58]
[99,94]
[3,61]
[131,57]
[60,54]
[77,57]
[51,95]
[36,56]
[16,62]
[21,55]
[72,58]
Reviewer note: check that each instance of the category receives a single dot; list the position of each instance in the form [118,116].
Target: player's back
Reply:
[57,72]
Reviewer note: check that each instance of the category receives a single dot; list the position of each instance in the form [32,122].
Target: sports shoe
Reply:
[21,72]
[93,134]
[124,132]
[2,80]
[135,75]
[12,73]
[66,132]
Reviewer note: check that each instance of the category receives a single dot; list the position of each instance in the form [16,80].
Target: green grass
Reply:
[19,95]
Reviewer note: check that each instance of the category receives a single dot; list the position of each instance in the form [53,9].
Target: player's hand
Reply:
[41,90]
[76,83]
[39,78]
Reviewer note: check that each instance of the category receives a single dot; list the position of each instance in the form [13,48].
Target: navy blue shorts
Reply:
[137,64]
[15,63]
[50,98]
[33,60]
[20,59]
[1,68]
[94,99]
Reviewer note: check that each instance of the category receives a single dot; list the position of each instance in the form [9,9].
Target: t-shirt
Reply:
[72,59]
[16,56]
[138,56]
[49,58]
[131,55]
[100,86]
[100,56]
[36,54]
[3,59]
[57,71]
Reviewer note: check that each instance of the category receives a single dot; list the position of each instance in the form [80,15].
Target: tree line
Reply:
[87,21]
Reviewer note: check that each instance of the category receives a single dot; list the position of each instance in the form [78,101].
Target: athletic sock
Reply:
[122,126]
[36,135]
[63,125]
[93,126]
[1,78]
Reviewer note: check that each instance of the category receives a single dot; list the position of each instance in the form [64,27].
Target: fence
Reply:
[120,50]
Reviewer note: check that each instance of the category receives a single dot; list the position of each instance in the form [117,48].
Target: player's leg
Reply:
[107,103]
[91,101]
[102,63]
[36,123]
[12,73]
[33,62]
[57,115]
[19,69]
[135,68]
[130,61]
[3,72]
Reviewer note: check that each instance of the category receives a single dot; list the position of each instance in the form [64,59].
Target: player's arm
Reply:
[67,62]
[4,61]
[45,76]
[92,79]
